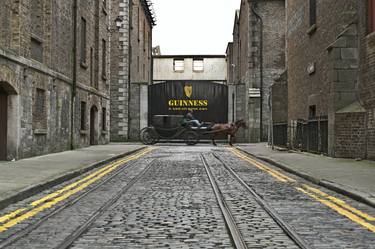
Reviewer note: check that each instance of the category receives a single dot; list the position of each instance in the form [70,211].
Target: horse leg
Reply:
[213,140]
[231,140]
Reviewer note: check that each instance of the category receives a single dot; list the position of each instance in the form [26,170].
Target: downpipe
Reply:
[260,66]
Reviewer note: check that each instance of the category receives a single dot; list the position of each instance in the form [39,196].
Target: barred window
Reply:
[83,115]
[104,58]
[312,12]
[40,110]
[83,40]
[104,119]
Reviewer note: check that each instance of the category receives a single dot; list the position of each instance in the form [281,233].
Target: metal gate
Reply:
[208,100]
[3,124]
[312,135]
[280,134]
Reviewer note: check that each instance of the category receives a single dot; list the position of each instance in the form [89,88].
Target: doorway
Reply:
[3,124]
[93,125]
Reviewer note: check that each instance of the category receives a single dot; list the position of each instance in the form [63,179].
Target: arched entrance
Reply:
[93,125]
[3,124]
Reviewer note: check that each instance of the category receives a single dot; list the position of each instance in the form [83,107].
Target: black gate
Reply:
[280,134]
[312,135]
[208,100]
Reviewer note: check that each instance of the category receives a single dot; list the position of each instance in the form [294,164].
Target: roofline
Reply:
[191,56]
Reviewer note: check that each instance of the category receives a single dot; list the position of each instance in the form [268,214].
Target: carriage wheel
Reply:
[148,136]
[191,137]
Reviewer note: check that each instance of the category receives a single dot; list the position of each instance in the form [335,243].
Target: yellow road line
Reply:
[12,221]
[340,202]
[341,211]
[279,176]
[332,202]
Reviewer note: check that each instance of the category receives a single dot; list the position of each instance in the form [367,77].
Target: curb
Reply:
[351,193]
[37,188]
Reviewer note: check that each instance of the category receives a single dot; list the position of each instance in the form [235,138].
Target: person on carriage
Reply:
[191,120]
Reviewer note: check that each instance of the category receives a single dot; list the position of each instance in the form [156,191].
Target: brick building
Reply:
[330,61]
[54,77]
[131,67]
[258,56]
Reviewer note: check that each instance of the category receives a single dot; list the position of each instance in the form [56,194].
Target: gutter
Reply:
[260,69]
[74,83]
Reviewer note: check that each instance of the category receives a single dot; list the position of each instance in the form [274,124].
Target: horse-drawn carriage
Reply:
[175,127]
[172,127]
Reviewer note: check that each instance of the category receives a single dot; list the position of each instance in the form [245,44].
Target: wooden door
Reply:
[3,125]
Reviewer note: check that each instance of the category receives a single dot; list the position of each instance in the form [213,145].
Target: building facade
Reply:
[258,59]
[330,61]
[131,67]
[54,76]
[190,67]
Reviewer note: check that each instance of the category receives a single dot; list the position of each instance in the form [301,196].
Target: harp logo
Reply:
[188,90]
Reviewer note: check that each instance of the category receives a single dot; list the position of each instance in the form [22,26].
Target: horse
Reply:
[227,129]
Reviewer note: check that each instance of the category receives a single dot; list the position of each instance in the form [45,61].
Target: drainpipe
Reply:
[74,83]
[129,59]
[260,68]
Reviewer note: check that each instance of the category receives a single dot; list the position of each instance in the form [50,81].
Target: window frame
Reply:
[178,68]
[83,116]
[200,69]
[83,44]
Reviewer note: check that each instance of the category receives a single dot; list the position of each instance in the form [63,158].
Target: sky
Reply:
[194,26]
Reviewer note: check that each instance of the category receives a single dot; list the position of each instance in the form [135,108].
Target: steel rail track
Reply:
[81,229]
[292,234]
[234,232]
[21,234]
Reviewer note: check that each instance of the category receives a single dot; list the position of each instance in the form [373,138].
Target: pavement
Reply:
[26,177]
[355,179]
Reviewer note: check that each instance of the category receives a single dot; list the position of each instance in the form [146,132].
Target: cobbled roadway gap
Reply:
[173,206]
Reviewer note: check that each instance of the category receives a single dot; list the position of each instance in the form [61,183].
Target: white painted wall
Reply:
[214,69]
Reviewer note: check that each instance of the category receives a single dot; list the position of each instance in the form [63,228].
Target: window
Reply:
[312,4]
[139,25]
[371,16]
[36,17]
[83,40]
[104,119]
[198,65]
[312,111]
[178,65]
[92,67]
[36,47]
[83,116]
[104,58]
[144,35]
[40,110]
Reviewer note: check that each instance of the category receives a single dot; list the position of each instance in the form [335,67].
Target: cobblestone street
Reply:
[162,197]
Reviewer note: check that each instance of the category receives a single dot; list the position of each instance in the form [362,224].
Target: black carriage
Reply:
[171,128]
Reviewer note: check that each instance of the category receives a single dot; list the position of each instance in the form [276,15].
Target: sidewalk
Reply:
[23,178]
[349,177]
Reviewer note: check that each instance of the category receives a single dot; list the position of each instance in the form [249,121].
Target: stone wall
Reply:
[36,71]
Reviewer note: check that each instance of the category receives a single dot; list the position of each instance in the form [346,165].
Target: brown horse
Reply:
[227,129]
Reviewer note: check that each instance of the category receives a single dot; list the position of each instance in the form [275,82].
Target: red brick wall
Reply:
[350,139]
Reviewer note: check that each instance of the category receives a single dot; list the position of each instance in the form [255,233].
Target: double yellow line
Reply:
[11,219]
[332,202]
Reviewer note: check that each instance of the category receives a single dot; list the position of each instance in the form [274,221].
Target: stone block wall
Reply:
[350,137]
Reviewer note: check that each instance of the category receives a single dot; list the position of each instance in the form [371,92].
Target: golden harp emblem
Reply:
[188,90]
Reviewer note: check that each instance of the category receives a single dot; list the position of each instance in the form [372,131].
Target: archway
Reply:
[8,118]
[93,125]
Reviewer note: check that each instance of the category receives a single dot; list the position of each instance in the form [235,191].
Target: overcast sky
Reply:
[194,26]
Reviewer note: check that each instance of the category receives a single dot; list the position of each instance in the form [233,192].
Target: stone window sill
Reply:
[40,131]
[84,65]
[83,132]
[312,30]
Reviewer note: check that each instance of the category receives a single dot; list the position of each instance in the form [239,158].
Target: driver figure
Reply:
[191,120]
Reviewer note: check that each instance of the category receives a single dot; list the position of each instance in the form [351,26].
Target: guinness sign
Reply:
[207,99]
